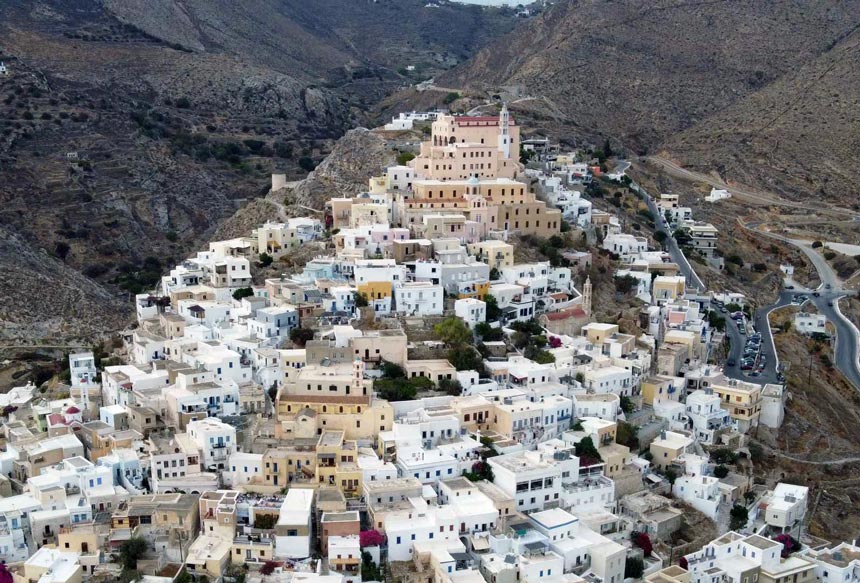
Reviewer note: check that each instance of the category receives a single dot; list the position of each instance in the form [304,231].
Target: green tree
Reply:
[817,244]
[392,370]
[131,551]
[453,331]
[265,260]
[671,475]
[451,387]
[585,449]
[627,404]
[633,568]
[660,237]
[243,292]
[721,471]
[627,435]
[494,312]
[451,97]
[360,300]
[300,336]
[682,236]
[739,516]
[495,275]
[626,283]
[370,571]
[404,157]
[488,333]
[466,357]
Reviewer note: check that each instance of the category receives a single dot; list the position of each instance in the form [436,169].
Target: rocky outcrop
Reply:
[44,299]
[357,156]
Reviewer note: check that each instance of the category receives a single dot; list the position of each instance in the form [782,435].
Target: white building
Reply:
[718,194]
[625,245]
[707,418]
[784,508]
[531,479]
[419,299]
[293,530]
[215,439]
[471,310]
[243,468]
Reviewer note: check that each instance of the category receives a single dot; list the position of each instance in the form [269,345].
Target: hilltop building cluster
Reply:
[256,424]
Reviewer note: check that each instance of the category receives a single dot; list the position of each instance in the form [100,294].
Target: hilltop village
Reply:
[416,404]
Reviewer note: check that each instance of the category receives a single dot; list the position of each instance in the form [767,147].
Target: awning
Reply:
[654,478]
[480,543]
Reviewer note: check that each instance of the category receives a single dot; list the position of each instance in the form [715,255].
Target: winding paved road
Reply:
[675,252]
[847,348]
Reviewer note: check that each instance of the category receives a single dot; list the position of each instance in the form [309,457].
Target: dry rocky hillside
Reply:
[129,131]
[765,91]
[797,137]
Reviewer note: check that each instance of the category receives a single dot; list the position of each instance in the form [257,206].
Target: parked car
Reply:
[731,362]
[789,287]
[746,366]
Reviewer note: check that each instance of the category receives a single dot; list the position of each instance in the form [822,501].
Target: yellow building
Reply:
[668,447]
[496,254]
[376,290]
[331,397]
[493,204]
[477,290]
[742,400]
[337,463]
[657,388]
[461,147]
[668,287]
[252,550]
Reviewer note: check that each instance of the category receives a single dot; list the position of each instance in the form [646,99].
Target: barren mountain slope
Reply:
[798,136]
[316,38]
[130,130]
[641,70]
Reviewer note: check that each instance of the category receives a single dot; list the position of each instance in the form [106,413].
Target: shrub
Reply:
[61,250]
[404,157]
[265,260]
[739,517]
[453,331]
[183,103]
[817,244]
[642,541]
[268,568]
[370,538]
[300,336]
[307,163]
[625,283]
[243,292]
[829,255]
[131,551]
[451,98]
[633,568]
[451,387]
[627,404]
